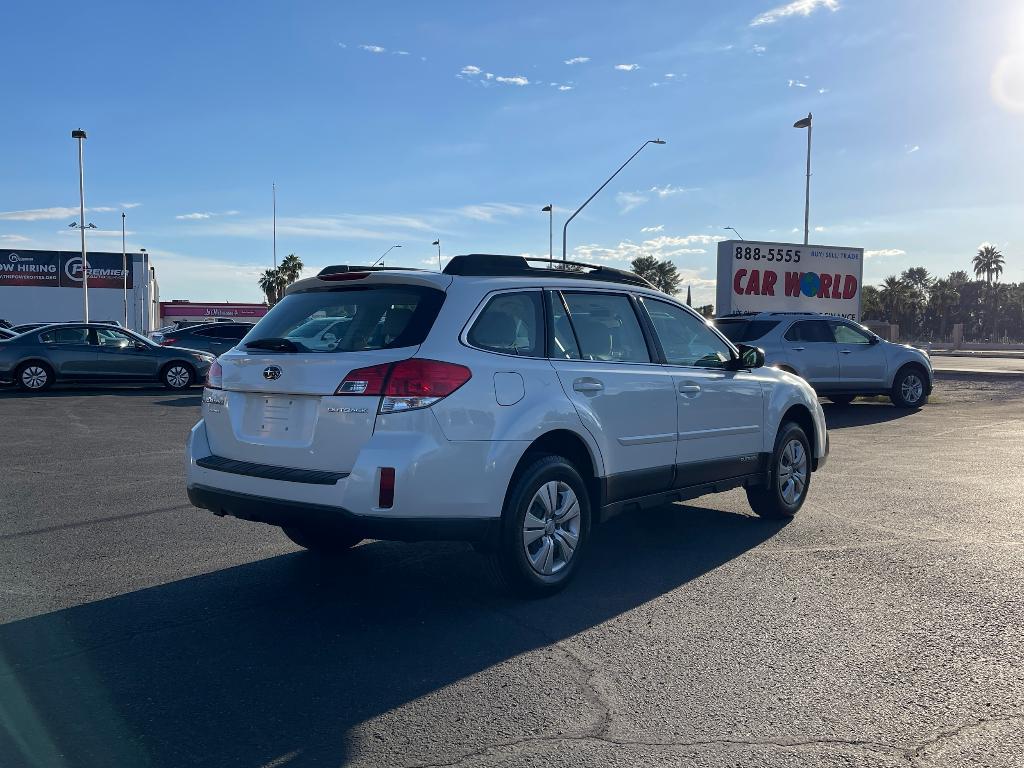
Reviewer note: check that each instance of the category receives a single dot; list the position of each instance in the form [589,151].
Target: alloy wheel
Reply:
[912,388]
[792,471]
[34,377]
[178,376]
[551,528]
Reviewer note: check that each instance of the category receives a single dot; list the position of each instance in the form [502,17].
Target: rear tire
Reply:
[545,528]
[324,541]
[842,399]
[789,477]
[908,388]
[34,377]
[177,376]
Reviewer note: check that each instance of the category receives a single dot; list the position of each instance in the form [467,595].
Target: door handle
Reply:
[689,389]
[799,349]
[587,385]
[845,351]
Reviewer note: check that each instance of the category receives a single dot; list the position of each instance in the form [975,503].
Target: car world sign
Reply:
[787,277]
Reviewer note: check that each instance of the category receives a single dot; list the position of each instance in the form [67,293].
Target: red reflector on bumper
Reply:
[386,499]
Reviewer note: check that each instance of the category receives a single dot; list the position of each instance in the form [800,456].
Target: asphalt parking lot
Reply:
[884,626]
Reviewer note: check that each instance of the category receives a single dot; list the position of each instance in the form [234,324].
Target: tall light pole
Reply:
[550,208]
[734,230]
[79,134]
[381,257]
[273,195]
[124,271]
[806,123]
[438,244]
[566,227]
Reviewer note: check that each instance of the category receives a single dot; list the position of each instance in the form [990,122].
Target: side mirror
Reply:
[750,357]
[874,339]
[139,345]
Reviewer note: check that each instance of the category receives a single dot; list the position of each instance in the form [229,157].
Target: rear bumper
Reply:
[262,509]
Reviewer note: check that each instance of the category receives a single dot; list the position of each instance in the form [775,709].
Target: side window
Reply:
[686,339]
[847,334]
[66,336]
[512,324]
[106,338]
[607,327]
[563,340]
[811,331]
[209,333]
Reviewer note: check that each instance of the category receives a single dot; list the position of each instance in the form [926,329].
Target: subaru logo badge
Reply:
[271,373]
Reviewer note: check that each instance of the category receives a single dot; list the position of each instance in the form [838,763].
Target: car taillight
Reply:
[406,385]
[215,376]
[165,342]
[421,383]
[365,381]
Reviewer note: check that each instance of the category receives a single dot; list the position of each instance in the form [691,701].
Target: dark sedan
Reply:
[215,338]
[94,352]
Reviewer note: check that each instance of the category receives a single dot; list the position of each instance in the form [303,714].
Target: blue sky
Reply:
[388,123]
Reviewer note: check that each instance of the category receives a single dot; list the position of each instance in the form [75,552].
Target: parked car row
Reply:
[95,352]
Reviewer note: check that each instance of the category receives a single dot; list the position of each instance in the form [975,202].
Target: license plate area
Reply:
[279,418]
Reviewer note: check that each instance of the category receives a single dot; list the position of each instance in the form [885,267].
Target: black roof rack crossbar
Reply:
[497,265]
[338,269]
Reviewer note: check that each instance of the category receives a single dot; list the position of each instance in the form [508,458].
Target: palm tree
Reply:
[291,267]
[268,284]
[943,296]
[988,262]
[894,296]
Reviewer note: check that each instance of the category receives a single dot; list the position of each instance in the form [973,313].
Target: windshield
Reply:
[350,319]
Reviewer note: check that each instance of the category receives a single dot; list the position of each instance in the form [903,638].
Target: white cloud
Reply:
[627,67]
[373,48]
[204,215]
[884,252]
[913,149]
[469,69]
[796,84]
[668,190]
[128,206]
[13,239]
[342,45]
[514,80]
[819,229]
[823,90]
[758,49]
[488,75]
[670,75]
[565,87]
[629,200]
[794,229]
[490,211]
[658,228]
[400,53]
[794,8]
[577,60]
[55,212]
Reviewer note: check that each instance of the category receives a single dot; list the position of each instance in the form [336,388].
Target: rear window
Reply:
[352,319]
[743,331]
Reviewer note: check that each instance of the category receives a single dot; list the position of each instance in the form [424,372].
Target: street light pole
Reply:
[566,227]
[273,194]
[79,134]
[806,123]
[124,271]
[438,244]
[550,208]
[734,230]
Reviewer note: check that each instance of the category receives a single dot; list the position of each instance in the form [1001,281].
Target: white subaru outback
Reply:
[497,402]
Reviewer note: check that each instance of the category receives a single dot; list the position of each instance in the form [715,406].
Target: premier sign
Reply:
[62,269]
[787,277]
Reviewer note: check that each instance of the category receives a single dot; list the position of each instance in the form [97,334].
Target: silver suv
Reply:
[838,357]
[496,402]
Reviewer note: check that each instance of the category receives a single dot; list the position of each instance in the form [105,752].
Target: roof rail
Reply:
[495,265]
[339,269]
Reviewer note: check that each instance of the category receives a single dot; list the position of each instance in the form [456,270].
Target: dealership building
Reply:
[46,286]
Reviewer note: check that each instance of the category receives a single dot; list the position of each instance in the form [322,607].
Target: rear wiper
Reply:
[275,344]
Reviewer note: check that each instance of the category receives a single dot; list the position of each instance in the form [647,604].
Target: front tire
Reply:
[323,541]
[545,528]
[789,478]
[908,388]
[178,376]
[34,377]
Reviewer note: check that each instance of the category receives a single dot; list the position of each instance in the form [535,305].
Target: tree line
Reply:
[926,307]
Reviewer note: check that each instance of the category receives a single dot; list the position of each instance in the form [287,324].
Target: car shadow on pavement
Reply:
[278,660]
[862,414]
[193,397]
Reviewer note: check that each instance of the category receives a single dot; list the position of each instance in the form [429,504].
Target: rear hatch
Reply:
[279,385]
